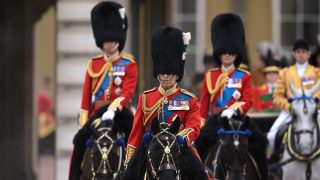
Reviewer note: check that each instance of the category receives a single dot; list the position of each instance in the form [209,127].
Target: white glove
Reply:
[109,115]
[228,113]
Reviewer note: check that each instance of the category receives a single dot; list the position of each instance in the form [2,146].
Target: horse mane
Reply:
[195,171]
[137,164]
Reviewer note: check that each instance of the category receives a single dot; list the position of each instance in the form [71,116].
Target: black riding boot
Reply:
[78,151]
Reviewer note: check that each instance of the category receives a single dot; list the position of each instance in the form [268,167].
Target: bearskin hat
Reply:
[109,23]
[227,36]
[167,48]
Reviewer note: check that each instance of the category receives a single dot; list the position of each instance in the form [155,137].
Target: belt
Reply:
[217,110]
[99,103]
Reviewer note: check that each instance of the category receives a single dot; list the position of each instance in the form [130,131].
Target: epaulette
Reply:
[150,90]
[128,56]
[214,69]
[188,93]
[247,72]
[95,74]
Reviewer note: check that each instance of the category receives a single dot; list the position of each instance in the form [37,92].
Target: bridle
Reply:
[169,164]
[104,164]
[236,133]
[305,110]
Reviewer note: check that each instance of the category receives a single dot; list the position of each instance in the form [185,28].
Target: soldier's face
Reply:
[167,81]
[110,47]
[227,59]
[272,77]
[301,55]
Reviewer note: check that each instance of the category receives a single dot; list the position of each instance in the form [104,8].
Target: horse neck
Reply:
[167,175]
[234,168]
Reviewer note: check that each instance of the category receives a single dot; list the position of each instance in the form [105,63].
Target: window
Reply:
[298,19]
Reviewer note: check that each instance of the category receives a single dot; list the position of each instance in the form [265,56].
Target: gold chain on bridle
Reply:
[166,155]
[104,165]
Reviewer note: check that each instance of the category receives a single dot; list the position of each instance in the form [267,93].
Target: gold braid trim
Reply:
[83,117]
[237,105]
[148,112]
[93,74]
[107,68]
[150,90]
[116,104]
[221,81]
[188,93]
[127,56]
[96,123]
[130,151]
[184,133]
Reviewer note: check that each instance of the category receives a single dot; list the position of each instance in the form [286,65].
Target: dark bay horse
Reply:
[106,141]
[163,157]
[229,158]
[105,154]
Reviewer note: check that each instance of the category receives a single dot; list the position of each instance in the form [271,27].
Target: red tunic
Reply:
[262,100]
[216,82]
[148,108]
[105,81]
[44,102]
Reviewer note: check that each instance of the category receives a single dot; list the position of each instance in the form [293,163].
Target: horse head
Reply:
[234,146]
[106,150]
[304,111]
[164,151]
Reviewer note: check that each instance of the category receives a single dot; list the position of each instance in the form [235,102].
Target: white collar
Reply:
[301,66]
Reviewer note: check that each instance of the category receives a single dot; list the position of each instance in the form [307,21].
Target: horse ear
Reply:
[175,126]
[155,128]
[314,89]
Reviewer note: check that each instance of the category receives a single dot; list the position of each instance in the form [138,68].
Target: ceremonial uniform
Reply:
[262,95]
[223,89]
[227,90]
[302,76]
[262,101]
[105,82]
[110,80]
[166,105]
[168,49]
[309,75]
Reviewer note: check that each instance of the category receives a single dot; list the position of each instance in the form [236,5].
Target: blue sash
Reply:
[104,85]
[105,82]
[228,92]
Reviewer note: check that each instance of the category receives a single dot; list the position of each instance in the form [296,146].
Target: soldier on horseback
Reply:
[110,79]
[301,75]
[166,102]
[227,89]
